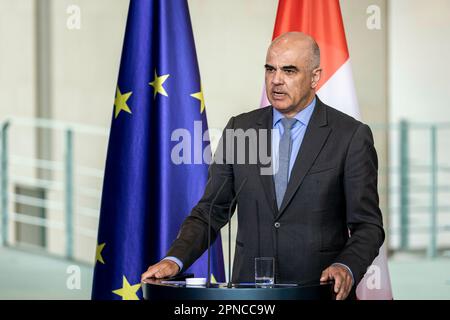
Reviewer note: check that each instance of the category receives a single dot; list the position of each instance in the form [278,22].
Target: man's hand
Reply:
[342,280]
[163,269]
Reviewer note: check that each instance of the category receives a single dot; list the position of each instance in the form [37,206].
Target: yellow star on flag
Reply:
[98,253]
[199,96]
[157,84]
[128,292]
[120,102]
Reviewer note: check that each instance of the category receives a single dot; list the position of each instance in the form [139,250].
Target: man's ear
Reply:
[316,74]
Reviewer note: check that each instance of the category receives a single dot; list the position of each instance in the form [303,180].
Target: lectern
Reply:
[155,290]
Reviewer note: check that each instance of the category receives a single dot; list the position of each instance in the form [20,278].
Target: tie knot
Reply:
[288,123]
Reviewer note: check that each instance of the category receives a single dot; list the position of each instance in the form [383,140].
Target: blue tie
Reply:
[284,154]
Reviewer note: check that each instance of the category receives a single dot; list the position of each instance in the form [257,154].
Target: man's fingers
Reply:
[343,293]
[332,273]
[162,269]
[325,275]
[150,272]
[153,271]
[342,280]
[337,281]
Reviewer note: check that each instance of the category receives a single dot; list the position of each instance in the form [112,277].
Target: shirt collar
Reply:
[303,116]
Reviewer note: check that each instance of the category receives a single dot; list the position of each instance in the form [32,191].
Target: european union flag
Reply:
[146,192]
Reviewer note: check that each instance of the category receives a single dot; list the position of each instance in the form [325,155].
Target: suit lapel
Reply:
[265,122]
[315,137]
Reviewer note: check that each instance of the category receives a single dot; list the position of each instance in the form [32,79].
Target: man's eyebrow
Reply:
[290,67]
[284,68]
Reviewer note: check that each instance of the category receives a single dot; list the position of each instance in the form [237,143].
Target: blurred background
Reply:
[59,62]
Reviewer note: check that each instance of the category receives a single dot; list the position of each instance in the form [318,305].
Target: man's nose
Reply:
[277,77]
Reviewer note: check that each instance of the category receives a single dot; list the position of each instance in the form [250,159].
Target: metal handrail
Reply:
[64,186]
[37,221]
[37,202]
[88,192]
[42,183]
[419,229]
[37,163]
[59,125]
[47,223]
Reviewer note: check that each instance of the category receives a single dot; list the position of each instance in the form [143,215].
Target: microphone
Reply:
[208,282]
[229,229]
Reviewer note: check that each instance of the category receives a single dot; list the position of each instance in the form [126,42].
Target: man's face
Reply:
[289,81]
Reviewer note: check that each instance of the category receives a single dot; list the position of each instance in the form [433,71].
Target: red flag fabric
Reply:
[322,20]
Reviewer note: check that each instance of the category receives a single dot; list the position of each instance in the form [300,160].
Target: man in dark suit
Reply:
[313,206]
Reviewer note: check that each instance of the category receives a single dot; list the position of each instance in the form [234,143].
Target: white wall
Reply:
[419,91]
[419,47]
[17,69]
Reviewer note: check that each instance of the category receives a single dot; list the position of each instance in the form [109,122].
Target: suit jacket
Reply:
[332,190]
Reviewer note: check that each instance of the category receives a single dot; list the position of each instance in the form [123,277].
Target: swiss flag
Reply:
[322,20]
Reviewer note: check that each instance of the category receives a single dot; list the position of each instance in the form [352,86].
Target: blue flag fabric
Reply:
[146,196]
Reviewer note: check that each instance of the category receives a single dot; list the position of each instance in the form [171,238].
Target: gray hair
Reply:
[315,55]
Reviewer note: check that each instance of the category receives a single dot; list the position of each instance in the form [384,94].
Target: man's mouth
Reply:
[278,94]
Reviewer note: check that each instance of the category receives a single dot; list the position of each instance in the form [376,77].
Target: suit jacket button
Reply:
[277,224]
